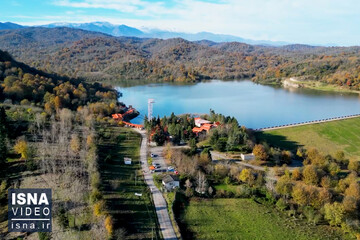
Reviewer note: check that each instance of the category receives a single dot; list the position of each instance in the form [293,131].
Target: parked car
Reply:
[170,168]
[153,155]
[157,165]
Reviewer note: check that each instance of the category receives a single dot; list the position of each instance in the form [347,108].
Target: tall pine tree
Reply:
[3,136]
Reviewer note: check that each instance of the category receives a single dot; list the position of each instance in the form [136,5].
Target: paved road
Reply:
[309,122]
[166,227]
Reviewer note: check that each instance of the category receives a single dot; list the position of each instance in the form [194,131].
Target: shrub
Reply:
[243,191]
[44,236]
[95,196]
[99,208]
[109,225]
[334,213]
[312,215]
[281,204]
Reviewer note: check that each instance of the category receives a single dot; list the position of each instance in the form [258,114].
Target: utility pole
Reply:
[150,108]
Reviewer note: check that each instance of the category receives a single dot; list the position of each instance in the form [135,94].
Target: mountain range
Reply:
[126,31]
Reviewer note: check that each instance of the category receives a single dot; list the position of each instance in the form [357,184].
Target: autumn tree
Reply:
[299,195]
[296,174]
[354,165]
[22,147]
[284,186]
[310,175]
[247,176]
[260,152]
[353,191]
[325,182]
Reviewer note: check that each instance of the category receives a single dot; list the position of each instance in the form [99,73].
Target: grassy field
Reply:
[134,214]
[246,219]
[327,137]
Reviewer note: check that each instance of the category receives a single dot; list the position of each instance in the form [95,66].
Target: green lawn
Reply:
[226,187]
[246,219]
[327,137]
[134,214]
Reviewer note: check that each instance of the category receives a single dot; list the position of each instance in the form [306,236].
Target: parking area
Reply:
[156,153]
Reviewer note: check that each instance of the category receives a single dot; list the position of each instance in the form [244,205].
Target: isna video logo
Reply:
[29,210]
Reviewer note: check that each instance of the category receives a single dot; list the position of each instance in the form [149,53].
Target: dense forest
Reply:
[96,56]
[22,84]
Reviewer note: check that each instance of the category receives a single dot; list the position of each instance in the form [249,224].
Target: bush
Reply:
[243,191]
[63,218]
[44,236]
[95,196]
[312,215]
[99,208]
[109,225]
[281,204]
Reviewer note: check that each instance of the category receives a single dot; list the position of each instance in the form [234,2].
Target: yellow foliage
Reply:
[99,208]
[247,176]
[109,225]
[21,147]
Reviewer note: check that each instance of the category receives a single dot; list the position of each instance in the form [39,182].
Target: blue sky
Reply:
[296,21]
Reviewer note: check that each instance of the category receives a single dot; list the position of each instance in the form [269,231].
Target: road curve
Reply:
[166,226]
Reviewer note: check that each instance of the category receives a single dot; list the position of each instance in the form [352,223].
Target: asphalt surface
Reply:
[166,226]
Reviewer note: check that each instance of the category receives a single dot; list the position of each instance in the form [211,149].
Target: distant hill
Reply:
[123,30]
[103,27]
[9,25]
[98,56]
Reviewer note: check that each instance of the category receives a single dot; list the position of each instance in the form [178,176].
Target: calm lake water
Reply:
[254,105]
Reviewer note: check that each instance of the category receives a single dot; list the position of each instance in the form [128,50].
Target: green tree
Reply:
[284,186]
[334,213]
[193,146]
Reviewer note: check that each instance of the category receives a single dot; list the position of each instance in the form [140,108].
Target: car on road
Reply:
[153,155]
[157,165]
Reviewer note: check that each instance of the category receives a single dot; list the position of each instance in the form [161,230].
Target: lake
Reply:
[253,105]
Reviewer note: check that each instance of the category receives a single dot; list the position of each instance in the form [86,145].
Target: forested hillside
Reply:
[22,84]
[96,56]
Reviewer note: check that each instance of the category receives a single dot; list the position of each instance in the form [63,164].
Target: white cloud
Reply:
[306,21]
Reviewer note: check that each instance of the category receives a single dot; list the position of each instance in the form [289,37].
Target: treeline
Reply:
[177,129]
[95,56]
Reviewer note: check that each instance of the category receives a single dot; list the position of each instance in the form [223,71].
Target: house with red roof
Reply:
[203,125]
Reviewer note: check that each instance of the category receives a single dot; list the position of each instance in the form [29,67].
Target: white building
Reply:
[199,122]
[127,161]
[170,182]
[246,157]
